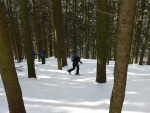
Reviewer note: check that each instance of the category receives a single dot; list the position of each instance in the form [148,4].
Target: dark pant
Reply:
[43,60]
[74,66]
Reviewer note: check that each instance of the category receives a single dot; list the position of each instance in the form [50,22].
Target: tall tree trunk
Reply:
[13,31]
[124,41]
[18,38]
[74,26]
[148,61]
[7,69]
[139,29]
[27,38]
[50,38]
[101,41]
[144,42]
[37,28]
[68,29]
[86,36]
[67,26]
[59,33]
[108,50]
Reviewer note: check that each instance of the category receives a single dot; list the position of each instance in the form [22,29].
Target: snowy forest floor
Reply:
[54,91]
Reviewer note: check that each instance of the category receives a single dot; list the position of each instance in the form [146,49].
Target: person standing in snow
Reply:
[76,61]
[42,56]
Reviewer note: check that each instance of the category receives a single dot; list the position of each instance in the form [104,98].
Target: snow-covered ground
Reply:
[55,91]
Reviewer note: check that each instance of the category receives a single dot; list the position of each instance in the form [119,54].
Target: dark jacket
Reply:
[42,54]
[76,60]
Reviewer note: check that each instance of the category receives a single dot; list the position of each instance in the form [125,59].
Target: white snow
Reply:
[55,91]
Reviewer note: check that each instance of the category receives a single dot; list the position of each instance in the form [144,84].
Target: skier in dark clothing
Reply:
[42,56]
[73,55]
[75,64]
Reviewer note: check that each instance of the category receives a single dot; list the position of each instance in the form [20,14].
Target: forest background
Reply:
[104,30]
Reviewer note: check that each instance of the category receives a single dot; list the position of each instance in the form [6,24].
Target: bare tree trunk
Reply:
[139,29]
[124,41]
[86,30]
[59,33]
[7,69]
[13,31]
[27,38]
[74,26]
[148,59]
[37,28]
[144,42]
[101,41]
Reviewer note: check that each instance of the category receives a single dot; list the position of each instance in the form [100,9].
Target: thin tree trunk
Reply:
[148,61]
[74,26]
[86,37]
[50,38]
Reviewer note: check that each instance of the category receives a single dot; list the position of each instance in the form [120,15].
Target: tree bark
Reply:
[144,42]
[74,26]
[59,34]
[37,28]
[86,30]
[139,29]
[101,41]
[7,69]
[123,47]
[27,38]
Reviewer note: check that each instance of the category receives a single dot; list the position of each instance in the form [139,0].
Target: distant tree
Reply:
[124,40]
[74,19]
[86,29]
[50,36]
[66,24]
[148,26]
[139,30]
[27,37]
[14,38]
[7,69]
[37,27]
[145,41]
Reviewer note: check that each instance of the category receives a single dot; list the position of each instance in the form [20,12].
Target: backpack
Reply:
[72,57]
